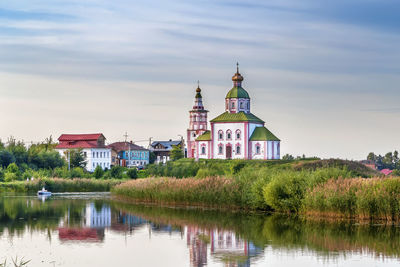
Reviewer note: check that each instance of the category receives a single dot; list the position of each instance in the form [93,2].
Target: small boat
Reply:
[44,192]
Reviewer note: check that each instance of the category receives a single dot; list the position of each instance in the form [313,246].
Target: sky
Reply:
[323,75]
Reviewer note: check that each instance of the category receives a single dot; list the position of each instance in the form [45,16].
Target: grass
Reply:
[59,185]
[325,187]
[211,191]
[376,198]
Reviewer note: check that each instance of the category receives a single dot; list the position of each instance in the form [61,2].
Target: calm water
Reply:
[94,230]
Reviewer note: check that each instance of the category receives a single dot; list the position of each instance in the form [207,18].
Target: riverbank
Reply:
[57,185]
[310,188]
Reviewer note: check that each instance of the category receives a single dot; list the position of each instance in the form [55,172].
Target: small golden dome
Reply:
[237,77]
[198,90]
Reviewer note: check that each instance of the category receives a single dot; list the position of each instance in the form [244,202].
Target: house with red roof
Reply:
[93,147]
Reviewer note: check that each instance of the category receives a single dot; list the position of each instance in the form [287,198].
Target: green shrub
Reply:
[116,172]
[77,172]
[286,191]
[98,172]
[10,176]
[132,173]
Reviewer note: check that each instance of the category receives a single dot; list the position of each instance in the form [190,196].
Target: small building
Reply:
[162,149]
[129,155]
[369,163]
[93,147]
[386,172]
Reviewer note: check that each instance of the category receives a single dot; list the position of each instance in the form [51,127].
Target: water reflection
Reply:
[210,237]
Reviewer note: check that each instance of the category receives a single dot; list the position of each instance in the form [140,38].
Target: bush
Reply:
[132,173]
[10,176]
[286,191]
[77,172]
[116,172]
[98,172]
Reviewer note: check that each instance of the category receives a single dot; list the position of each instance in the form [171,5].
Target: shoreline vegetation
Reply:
[57,185]
[323,188]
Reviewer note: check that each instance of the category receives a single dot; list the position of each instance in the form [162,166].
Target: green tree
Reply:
[176,152]
[287,157]
[18,149]
[6,158]
[77,158]
[116,172]
[152,157]
[12,173]
[371,156]
[132,173]
[98,172]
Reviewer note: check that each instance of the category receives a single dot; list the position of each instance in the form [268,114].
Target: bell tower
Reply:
[197,124]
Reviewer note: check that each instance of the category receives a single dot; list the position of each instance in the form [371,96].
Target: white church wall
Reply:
[202,144]
[233,127]
[254,154]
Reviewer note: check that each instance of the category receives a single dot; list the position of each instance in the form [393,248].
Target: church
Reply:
[235,134]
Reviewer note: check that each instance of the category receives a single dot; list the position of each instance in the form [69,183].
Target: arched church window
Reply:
[241,105]
[220,149]
[237,149]
[228,135]
[194,135]
[203,150]
[220,135]
[238,135]
[233,105]
[258,149]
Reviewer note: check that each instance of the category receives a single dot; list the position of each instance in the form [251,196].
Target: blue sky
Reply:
[324,75]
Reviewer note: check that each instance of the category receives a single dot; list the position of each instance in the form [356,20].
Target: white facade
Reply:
[94,157]
[237,133]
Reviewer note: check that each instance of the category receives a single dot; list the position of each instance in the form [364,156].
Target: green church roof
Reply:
[263,134]
[206,136]
[237,117]
[237,92]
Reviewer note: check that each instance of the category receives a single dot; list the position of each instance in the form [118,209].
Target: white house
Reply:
[92,145]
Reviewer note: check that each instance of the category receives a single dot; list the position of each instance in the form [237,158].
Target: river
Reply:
[96,230]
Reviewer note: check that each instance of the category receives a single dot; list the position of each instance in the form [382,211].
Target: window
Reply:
[97,154]
[241,105]
[94,154]
[220,135]
[238,149]
[194,135]
[238,134]
[233,104]
[228,135]
[258,149]
[220,150]
[93,164]
[248,105]
[203,150]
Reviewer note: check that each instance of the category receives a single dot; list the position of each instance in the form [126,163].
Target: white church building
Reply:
[235,134]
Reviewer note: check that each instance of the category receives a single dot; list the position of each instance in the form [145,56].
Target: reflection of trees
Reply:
[281,231]
[17,214]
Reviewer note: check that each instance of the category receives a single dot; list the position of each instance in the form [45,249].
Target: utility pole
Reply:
[69,160]
[129,148]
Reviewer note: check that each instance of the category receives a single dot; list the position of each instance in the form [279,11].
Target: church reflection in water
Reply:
[89,224]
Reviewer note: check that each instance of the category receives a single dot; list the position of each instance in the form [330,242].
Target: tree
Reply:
[6,158]
[18,149]
[152,157]
[76,158]
[176,152]
[371,156]
[132,173]
[116,172]
[287,157]
[98,172]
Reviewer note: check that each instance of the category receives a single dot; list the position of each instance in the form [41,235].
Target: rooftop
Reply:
[263,134]
[237,117]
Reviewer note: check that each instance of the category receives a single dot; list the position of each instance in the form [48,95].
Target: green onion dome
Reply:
[237,92]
